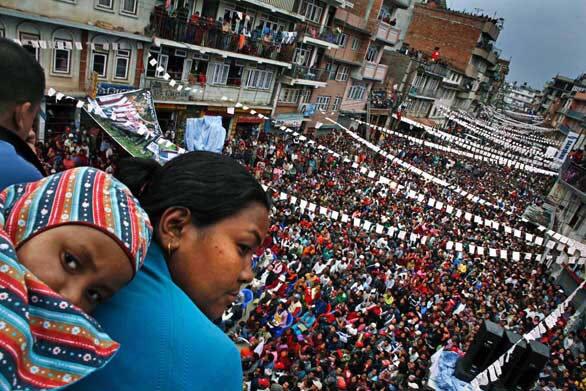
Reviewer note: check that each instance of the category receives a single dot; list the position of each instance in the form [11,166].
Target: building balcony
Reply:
[423,93]
[354,59]
[491,29]
[208,94]
[471,71]
[300,75]
[351,21]
[467,94]
[206,35]
[574,176]
[325,37]
[387,33]
[435,69]
[576,115]
[493,56]
[380,102]
[371,72]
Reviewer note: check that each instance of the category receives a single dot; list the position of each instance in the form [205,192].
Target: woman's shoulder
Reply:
[166,341]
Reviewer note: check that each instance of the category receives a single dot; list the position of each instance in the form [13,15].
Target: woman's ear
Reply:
[172,226]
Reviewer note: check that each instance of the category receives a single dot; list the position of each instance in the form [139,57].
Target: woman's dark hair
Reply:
[210,185]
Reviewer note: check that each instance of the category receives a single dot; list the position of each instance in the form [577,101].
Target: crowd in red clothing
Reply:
[339,307]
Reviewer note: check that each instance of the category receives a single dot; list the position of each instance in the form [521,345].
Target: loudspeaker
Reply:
[525,373]
[482,352]
[515,360]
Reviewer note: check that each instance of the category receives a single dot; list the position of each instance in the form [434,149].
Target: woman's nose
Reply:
[247,275]
[72,292]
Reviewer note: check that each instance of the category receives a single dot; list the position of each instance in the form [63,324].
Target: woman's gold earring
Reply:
[169,249]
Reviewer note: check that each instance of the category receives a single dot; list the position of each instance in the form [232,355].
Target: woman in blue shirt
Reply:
[209,216]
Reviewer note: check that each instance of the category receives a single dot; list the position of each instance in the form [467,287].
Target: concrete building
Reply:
[571,117]
[564,113]
[73,40]
[552,95]
[225,53]
[466,43]
[368,30]
[520,98]
[498,74]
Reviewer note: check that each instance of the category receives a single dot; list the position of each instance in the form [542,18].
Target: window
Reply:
[218,73]
[331,68]
[312,11]
[578,217]
[62,57]
[341,40]
[372,54]
[231,13]
[271,22]
[290,95]
[128,6]
[163,62]
[356,92]
[105,4]
[337,103]
[258,78]
[323,102]
[236,73]
[31,43]
[305,95]
[122,62]
[302,56]
[419,81]
[100,63]
[355,43]
[342,74]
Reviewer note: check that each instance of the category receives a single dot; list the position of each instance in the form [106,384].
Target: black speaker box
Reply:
[515,360]
[483,351]
[525,373]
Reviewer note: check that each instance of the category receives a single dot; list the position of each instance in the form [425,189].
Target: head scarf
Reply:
[84,196]
[45,341]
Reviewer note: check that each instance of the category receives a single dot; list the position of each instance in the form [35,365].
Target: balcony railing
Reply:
[232,91]
[351,20]
[374,71]
[574,175]
[576,115]
[380,101]
[326,34]
[424,92]
[307,73]
[208,33]
[387,33]
[435,69]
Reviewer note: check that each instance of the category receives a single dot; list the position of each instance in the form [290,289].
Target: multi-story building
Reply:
[520,98]
[552,95]
[74,40]
[571,117]
[465,41]
[563,106]
[225,53]
[499,86]
[364,33]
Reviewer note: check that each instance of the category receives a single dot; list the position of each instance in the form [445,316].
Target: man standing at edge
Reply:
[21,91]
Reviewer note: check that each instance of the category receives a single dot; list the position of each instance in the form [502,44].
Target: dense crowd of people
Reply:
[339,307]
